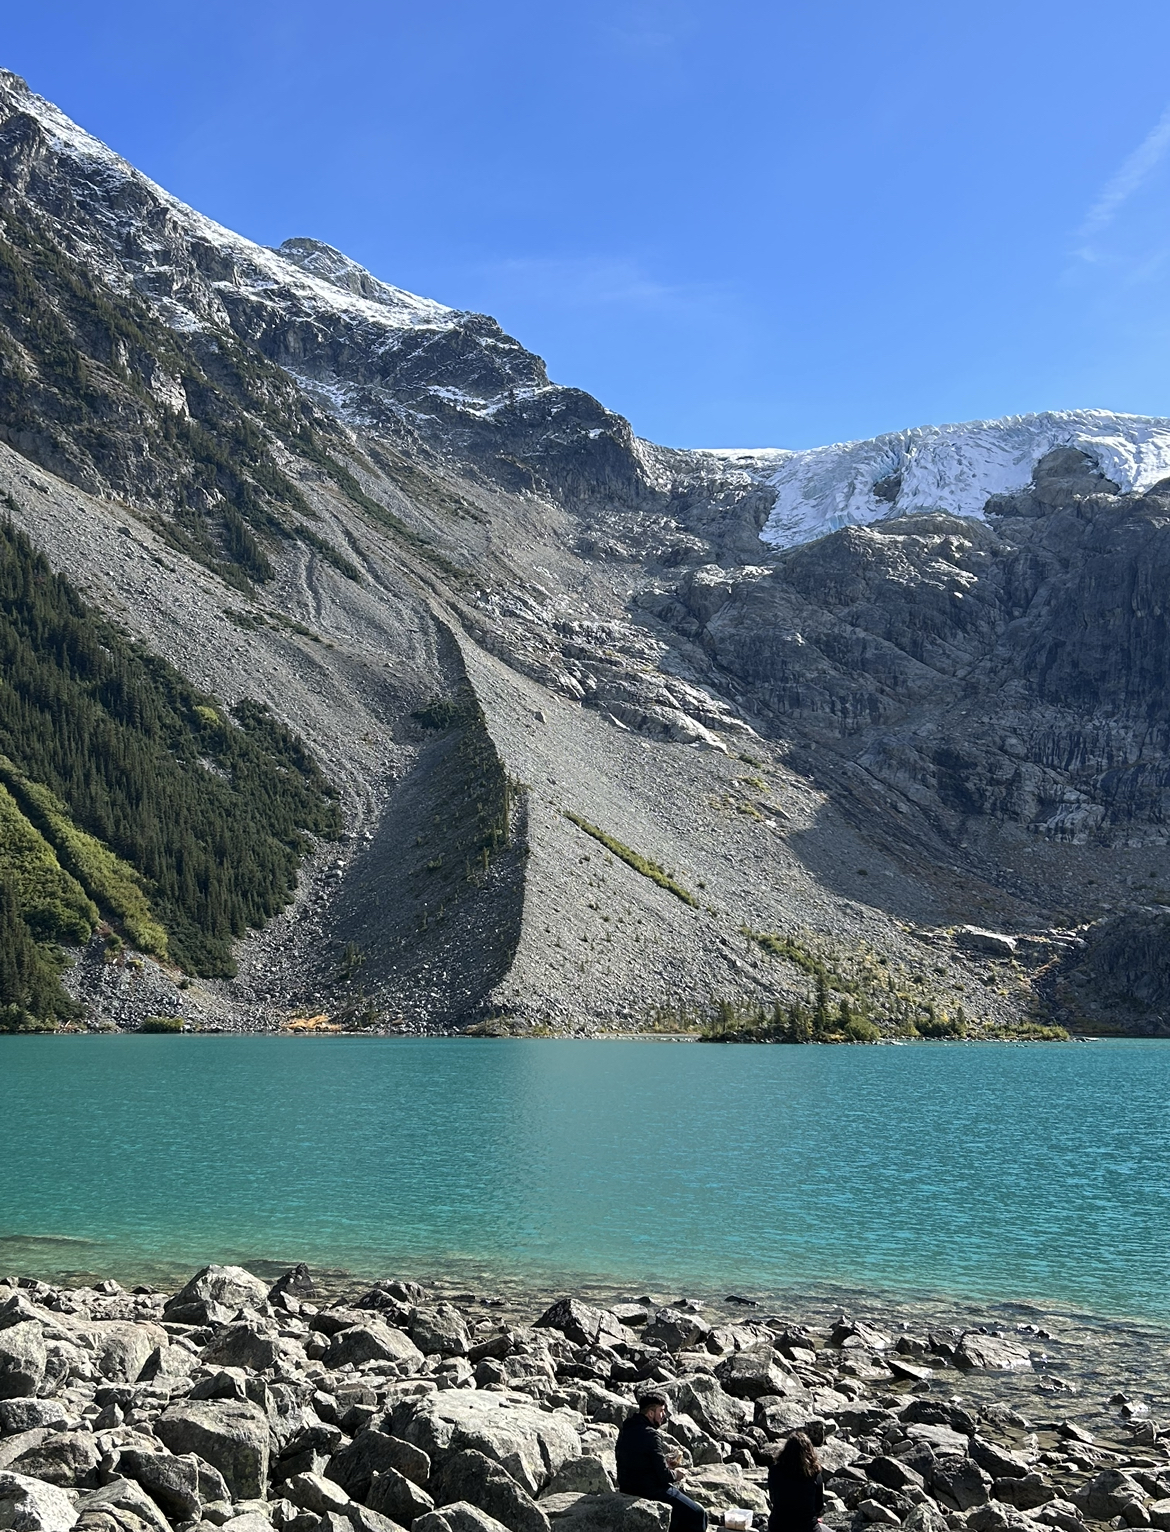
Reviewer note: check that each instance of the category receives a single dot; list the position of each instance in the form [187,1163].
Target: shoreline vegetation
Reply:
[322,1405]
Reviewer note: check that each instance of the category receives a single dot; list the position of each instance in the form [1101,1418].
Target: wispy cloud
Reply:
[652,27]
[1133,173]
[604,282]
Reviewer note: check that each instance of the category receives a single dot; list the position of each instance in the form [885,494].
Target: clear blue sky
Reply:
[739,223]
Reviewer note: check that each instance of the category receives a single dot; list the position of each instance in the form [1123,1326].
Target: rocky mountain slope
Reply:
[606,754]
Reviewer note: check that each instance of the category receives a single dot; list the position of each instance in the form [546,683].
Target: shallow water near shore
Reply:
[1033,1174]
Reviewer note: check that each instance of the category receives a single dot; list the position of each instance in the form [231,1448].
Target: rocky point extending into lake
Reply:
[235,1404]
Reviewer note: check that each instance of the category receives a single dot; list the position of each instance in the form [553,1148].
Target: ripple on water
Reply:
[933,1174]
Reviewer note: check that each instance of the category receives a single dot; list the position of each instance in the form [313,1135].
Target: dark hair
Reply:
[799,1458]
[650,1399]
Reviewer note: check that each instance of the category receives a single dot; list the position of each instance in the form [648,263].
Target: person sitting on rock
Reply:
[645,1469]
[796,1488]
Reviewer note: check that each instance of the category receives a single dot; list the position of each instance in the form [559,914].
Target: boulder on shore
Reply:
[22,1360]
[28,1505]
[230,1434]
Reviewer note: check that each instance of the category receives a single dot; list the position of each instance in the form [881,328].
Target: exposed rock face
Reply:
[508,628]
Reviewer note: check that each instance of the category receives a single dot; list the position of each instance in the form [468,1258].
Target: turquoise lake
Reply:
[1026,1173]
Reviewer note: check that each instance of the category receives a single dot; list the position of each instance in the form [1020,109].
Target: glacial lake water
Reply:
[1020,1174]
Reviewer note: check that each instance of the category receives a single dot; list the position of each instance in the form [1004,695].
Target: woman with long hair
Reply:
[796,1488]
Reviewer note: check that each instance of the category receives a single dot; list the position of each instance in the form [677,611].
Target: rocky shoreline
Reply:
[235,1403]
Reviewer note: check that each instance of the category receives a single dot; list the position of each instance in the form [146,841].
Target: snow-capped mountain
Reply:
[954,468]
[449,575]
[370,352]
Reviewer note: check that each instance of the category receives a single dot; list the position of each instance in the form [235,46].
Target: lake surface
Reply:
[1025,1173]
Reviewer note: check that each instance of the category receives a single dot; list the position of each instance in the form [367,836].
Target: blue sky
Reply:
[740,224]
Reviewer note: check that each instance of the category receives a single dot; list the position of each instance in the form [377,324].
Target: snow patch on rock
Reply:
[953,468]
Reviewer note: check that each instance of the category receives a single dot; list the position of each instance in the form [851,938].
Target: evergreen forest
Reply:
[129,799]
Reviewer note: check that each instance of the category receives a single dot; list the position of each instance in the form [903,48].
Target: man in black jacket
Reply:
[643,1467]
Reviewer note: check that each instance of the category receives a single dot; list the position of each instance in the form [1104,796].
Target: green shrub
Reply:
[940,1025]
[162,1024]
[112,883]
[442,713]
[858,1030]
[50,900]
[633,859]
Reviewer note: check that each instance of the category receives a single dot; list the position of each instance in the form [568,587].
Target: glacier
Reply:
[953,468]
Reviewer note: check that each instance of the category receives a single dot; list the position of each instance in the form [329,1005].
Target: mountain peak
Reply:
[330,265]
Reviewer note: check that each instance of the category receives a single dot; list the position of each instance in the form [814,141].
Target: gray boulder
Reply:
[121,1349]
[215,1295]
[363,1519]
[440,1327]
[371,1341]
[372,1452]
[13,1447]
[307,1461]
[992,1352]
[612,1512]
[875,1513]
[675,1330]
[925,1518]
[22,1360]
[1026,1494]
[1065,1516]
[27,1505]
[959,1483]
[230,1434]
[180,1486]
[1159,1514]
[996,1517]
[895,1474]
[392,1494]
[124,1495]
[999,1462]
[462,1516]
[836,1454]
[856,1333]
[704,1398]
[754,1372]
[167,1363]
[256,1521]
[689,1434]
[242,1345]
[584,1325]
[721,1487]
[469,1475]
[27,1414]
[1107,1495]
[780,1417]
[68,1459]
[581,1476]
[940,1439]
[313,1492]
[529,1442]
[296,1284]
